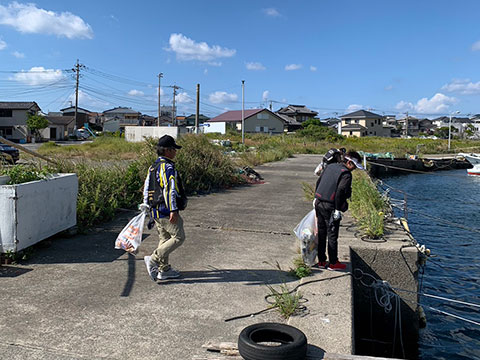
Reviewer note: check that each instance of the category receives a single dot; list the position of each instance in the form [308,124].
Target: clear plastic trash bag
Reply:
[306,232]
[130,237]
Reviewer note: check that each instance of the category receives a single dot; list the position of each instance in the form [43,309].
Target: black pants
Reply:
[327,228]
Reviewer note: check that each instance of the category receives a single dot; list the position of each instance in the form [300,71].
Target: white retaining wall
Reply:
[138,133]
[34,211]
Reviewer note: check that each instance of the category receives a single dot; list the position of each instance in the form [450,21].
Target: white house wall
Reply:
[214,127]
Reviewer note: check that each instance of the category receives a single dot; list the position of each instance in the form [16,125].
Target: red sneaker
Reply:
[320,265]
[337,266]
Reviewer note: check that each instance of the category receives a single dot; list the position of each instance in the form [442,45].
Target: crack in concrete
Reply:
[210,227]
[55,351]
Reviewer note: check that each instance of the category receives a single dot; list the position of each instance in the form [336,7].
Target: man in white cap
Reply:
[333,188]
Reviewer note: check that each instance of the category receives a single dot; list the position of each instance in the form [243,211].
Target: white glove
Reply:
[337,215]
[143,207]
[313,203]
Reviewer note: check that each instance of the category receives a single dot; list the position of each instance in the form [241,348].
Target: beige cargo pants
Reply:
[171,236]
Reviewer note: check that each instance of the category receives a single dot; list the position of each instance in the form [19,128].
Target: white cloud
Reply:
[254,66]
[27,18]
[183,98]
[188,49]
[39,76]
[205,71]
[3,44]
[86,101]
[220,97]
[313,68]
[462,86]
[354,107]
[18,55]
[291,67]
[437,104]
[388,87]
[162,92]
[135,92]
[271,12]
[476,46]
[265,95]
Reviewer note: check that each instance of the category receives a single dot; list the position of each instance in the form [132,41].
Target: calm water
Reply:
[450,196]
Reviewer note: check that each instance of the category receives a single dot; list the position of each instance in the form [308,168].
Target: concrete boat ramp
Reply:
[79,298]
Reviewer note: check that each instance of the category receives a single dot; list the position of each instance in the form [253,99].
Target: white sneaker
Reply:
[152,268]
[169,274]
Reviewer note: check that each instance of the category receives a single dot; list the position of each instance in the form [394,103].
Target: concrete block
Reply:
[34,211]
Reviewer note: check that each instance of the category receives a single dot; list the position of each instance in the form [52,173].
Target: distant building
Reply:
[256,121]
[291,123]
[363,123]
[298,112]
[117,118]
[190,119]
[83,115]
[59,127]
[13,119]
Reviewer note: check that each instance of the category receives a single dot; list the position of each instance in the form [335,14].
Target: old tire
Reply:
[292,342]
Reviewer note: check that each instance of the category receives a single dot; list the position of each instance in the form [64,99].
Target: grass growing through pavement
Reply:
[300,269]
[287,303]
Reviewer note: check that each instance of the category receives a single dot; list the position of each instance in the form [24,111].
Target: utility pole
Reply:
[243,112]
[197,113]
[77,70]
[271,106]
[159,90]
[174,117]
[406,125]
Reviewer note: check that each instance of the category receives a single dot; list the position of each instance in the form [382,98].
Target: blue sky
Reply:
[333,56]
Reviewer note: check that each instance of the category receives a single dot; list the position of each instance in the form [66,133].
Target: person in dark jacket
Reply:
[333,188]
[164,198]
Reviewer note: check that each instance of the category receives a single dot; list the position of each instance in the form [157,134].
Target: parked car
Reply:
[9,154]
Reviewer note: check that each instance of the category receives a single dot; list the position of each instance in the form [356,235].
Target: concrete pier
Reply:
[79,298]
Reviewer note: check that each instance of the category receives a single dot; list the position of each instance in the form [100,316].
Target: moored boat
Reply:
[474,159]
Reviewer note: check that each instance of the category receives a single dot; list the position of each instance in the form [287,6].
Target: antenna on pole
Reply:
[159,90]
[243,111]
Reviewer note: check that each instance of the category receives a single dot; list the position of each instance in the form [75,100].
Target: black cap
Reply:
[167,141]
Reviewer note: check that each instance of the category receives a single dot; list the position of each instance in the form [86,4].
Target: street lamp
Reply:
[450,128]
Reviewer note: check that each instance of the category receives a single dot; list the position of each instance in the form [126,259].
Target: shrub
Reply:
[367,205]
[203,166]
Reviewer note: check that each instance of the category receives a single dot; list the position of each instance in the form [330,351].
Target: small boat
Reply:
[474,159]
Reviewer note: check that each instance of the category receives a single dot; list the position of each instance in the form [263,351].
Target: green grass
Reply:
[287,303]
[300,269]
[367,205]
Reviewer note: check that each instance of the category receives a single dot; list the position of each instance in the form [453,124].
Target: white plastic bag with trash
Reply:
[306,232]
[130,237]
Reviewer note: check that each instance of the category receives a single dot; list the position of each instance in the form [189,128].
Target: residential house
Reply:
[331,123]
[256,121]
[291,123]
[299,112]
[190,120]
[410,127]
[13,119]
[459,123]
[426,126]
[363,123]
[117,118]
[147,120]
[83,115]
[60,127]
